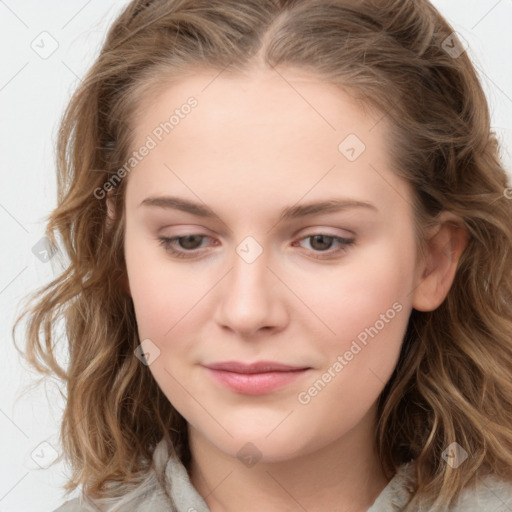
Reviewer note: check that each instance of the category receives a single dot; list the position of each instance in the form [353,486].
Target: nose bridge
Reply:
[248,298]
[250,278]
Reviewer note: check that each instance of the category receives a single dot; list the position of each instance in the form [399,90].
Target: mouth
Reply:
[255,378]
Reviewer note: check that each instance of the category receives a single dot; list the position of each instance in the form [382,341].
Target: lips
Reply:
[254,378]
[259,367]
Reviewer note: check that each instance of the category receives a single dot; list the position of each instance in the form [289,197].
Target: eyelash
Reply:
[168,243]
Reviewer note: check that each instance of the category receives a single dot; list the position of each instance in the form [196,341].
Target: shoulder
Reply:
[71,506]
[485,494]
[166,487]
[395,495]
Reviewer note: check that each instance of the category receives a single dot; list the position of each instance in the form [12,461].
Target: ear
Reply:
[437,267]
[111,217]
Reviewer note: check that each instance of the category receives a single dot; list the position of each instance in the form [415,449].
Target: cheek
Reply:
[372,289]
[163,292]
[367,306]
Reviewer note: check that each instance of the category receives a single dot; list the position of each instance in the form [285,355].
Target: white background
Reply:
[33,94]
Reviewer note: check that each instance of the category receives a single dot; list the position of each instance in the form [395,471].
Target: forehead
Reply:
[268,134]
[292,104]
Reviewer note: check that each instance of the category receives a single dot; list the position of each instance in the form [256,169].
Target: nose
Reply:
[251,298]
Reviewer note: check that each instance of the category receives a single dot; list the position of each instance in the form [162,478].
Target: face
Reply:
[268,320]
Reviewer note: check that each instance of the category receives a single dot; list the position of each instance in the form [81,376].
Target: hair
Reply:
[452,380]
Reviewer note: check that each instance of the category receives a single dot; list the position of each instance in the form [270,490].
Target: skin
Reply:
[254,145]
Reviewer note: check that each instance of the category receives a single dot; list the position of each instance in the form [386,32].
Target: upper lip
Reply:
[258,367]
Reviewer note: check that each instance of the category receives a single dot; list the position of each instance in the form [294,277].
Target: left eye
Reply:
[188,244]
[321,241]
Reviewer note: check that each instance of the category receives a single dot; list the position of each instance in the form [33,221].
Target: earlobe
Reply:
[436,272]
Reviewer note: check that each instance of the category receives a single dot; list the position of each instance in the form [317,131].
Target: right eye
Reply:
[188,243]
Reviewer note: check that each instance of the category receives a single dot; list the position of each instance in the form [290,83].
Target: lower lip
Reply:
[255,383]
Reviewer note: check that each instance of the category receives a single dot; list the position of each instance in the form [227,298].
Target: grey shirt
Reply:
[177,494]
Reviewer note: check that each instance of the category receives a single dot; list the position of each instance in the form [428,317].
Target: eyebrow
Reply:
[288,213]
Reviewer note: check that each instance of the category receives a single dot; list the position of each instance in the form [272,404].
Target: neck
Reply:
[345,476]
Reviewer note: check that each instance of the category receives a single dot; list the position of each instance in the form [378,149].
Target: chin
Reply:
[256,446]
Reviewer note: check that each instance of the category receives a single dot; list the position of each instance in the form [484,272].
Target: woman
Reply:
[290,278]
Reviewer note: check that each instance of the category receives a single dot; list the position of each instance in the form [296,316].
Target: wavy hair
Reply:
[452,381]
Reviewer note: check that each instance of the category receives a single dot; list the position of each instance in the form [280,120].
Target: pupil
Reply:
[322,238]
[187,242]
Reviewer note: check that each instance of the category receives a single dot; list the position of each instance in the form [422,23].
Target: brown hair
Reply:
[452,381]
